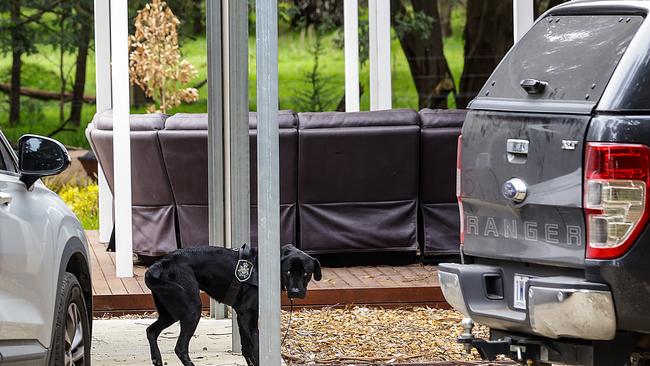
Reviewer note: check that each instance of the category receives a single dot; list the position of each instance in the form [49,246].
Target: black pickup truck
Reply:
[553,179]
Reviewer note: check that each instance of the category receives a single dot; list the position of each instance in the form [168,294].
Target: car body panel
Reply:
[37,230]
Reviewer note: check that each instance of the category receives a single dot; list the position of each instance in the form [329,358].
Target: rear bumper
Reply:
[556,307]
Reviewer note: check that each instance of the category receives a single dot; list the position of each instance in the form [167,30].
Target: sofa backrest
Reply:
[358,181]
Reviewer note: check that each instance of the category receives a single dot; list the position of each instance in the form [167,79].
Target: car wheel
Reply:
[71,343]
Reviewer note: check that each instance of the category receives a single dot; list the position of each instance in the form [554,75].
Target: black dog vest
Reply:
[245,272]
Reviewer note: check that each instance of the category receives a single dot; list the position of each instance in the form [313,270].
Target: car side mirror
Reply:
[40,157]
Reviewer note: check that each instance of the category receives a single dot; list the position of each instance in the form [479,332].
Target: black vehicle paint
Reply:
[618,111]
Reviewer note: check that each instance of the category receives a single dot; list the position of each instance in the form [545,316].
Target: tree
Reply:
[18,36]
[418,27]
[155,61]
[83,18]
[18,43]
[315,13]
[486,42]
[317,96]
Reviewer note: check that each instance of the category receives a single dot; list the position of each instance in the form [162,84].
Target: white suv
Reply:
[45,286]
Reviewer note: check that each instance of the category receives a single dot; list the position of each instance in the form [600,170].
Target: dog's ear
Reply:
[286,249]
[317,273]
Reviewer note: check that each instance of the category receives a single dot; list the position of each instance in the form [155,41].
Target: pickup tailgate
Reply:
[525,132]
[548,225]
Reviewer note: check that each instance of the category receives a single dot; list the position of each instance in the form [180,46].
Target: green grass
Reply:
[294,62]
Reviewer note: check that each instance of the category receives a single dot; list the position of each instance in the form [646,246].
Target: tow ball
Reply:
[488,350]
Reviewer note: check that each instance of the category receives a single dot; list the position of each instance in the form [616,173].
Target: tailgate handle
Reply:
[533,86]
[517,151]
[517,146]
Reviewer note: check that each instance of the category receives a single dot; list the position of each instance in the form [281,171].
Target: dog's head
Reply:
[297,270]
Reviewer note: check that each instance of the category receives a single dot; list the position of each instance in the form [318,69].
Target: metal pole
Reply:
[524,16]
[268,188]
[379,44]
[235,108]
[351,30]
[121,139]
[104,102]
[215,136]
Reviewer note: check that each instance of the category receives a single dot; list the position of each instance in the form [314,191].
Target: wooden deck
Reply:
[385,286]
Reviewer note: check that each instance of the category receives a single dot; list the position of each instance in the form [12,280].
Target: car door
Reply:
[26,256]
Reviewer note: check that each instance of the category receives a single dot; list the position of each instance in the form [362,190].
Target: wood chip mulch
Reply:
[368,336]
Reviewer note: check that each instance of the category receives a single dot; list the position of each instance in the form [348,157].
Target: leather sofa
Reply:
[154,208]
[363,182]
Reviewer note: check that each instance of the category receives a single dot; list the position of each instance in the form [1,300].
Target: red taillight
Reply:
[615,199]
[458,188]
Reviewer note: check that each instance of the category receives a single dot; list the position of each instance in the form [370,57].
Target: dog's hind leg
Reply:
[189,322]
[189,319]
[164,320]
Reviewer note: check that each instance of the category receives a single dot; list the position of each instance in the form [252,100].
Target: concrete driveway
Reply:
[123,342]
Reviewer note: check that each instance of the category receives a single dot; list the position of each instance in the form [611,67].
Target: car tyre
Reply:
[71,342]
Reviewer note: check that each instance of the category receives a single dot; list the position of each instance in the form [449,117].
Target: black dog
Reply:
[228,276]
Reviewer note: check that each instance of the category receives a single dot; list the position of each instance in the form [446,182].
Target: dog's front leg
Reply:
[247,323]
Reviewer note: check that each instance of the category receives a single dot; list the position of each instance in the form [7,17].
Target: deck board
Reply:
[384,286]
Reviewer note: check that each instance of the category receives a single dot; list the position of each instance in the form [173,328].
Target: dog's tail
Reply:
[152,280]
[158,277]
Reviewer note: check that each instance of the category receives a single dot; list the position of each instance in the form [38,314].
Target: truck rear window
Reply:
[574,55]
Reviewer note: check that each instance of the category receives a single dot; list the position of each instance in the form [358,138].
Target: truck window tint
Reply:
[574,55]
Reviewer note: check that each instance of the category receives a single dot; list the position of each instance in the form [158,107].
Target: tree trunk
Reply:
[80,70]
[424,53]
[486,42]
[445,7]
[198,28]
[16,65]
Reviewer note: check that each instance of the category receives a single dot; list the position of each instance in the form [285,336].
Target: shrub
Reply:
[84,202]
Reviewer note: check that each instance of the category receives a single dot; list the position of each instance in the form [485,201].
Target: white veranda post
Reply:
[523,17]
[379,44]
[121,138]
[351,31]
[104,102]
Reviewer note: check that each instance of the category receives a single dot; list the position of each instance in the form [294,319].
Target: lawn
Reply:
[294,62]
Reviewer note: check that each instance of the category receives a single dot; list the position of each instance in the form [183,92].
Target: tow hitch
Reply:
[488,350]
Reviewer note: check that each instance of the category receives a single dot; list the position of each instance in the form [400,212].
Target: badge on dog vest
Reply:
[244,270]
